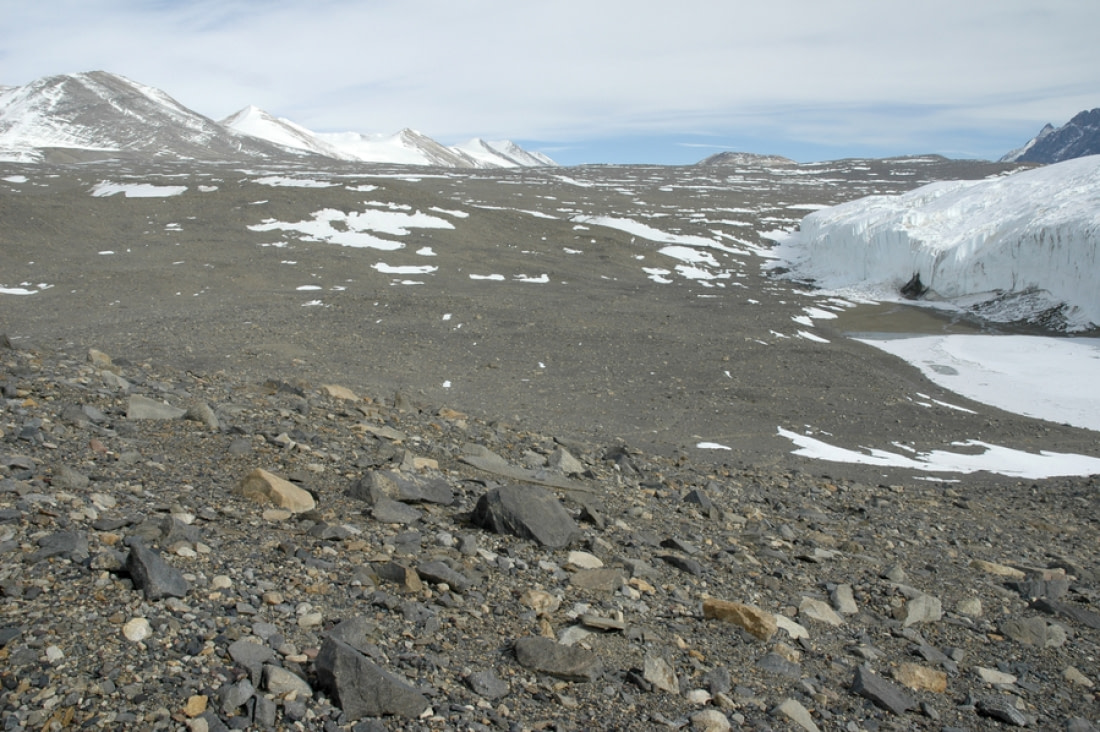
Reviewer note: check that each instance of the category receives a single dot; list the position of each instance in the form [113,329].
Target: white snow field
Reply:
[1014,246]
[1011,248]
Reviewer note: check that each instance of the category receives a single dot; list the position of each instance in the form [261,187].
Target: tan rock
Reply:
[542,602]
[340,392]
[195,705]
[260,485]
[921,678]
[1074,676]
[752,619]
[1000,570]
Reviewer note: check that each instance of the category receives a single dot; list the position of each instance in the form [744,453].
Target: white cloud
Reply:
[814,70]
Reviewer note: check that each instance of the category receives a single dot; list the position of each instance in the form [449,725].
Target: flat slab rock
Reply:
[528,512]
[554,659]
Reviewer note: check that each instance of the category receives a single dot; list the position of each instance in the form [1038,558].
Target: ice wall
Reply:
[1028,241]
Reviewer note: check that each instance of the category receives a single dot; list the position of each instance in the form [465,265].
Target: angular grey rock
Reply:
[564,662]
[252,657]
[487,685]
[140,407]
[70,544]
[1033,589]
[438,572]
[922,609]
[234,696]
[203,414]
[884,694]
[528,512]
[379,484]
[357,633]
[1029,631]
[844,600]
[68,478]
[153,575]
[775,664]
[797,714]
[660,673]
[263,715]
[1074,612]
[361,688]
[389,511]
[563,462]
[1002,710]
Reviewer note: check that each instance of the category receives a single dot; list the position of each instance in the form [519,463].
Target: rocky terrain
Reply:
[233,508]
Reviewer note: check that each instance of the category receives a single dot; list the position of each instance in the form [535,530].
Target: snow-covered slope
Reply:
[502,154]
[1020,247]
[407,147]
[257,123]
[1077,138]
[104,113]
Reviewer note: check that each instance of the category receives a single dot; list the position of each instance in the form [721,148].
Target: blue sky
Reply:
[600,81]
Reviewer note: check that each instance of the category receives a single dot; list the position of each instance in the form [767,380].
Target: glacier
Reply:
[1019,247]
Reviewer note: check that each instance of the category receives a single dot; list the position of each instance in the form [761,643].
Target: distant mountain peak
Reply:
[97,114]
[1076,138]
[744,158]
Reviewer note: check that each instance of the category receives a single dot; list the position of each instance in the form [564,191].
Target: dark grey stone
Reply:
[393,512]
[361,688]
[438,572]
[564,662]
[528,512]
[1068,610]
[264,713]
[884,694]
[233,696]
[773,663]
[684,564]
[1001,709]
[153,575]
[70,544]
[252,657]
[487,685]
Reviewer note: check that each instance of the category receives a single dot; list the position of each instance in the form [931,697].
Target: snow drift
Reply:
[1023,247]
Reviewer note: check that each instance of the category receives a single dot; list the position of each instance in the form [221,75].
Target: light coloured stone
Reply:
[922,609]
[819,611]
[340,392]
[54,654]
[993,676]
[1073,676]
[660,673]
[542,602]
[794,630]
[221,582]
[583,560]
[755,621]
[844,600]
[137,630]
[971,606]
[710,720]
[1000,570]
[260,485]
[921,678]
[794,711]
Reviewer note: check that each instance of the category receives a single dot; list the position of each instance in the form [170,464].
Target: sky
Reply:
[599,81]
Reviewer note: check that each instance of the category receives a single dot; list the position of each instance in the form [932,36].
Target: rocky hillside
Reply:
[1075,139]
[210,550]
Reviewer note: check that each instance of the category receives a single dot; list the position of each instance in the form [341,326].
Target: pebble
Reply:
[136,630]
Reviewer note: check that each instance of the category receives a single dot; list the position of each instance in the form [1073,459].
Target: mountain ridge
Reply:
[1077,138]
[98,114]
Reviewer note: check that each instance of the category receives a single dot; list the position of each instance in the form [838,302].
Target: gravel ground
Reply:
[694,588]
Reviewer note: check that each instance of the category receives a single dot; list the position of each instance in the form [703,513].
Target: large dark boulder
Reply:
[528,512]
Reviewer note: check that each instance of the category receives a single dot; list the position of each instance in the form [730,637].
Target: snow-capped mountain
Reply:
[97,114]
[502,154]
[407,147]
[1076,138]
